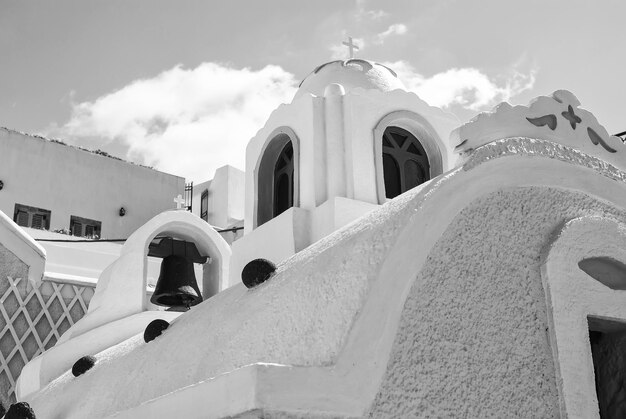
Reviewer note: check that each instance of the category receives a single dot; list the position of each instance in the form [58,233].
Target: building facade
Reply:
[423,270]
[48,185]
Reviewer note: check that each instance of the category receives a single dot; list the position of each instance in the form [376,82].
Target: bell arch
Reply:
[121,289]
[407,152]
[277,175]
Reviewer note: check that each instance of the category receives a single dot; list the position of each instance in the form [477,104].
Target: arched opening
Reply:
[407,152]
[283,180]
[405,162]
[277,176]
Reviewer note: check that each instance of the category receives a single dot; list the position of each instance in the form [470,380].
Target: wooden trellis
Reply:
[32,320]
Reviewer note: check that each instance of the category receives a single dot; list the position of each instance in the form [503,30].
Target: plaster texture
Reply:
[557,118]
[472,341]
[320,337]
[276,240]
[10,265]
[579,301]
[119,307]
[18,243]
[300,317]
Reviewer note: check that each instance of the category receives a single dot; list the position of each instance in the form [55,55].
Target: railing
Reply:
[189,195]
[32,320]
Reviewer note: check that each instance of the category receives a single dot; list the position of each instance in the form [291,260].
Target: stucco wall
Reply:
[472,340]
[10,265]
[301,317]
[68,181]
[225,197]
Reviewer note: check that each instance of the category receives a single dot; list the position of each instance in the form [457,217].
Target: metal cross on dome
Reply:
[180,201]
[351,46]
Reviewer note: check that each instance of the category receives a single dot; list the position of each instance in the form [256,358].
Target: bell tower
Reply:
[352,138]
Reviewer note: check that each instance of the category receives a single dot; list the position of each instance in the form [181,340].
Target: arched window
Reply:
[277,176]
[283,180]
[405,163]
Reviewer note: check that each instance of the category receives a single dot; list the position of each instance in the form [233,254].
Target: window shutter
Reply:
[22,218]
[37,221]
[77,229]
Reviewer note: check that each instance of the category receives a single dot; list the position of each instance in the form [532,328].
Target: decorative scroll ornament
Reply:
[555,118]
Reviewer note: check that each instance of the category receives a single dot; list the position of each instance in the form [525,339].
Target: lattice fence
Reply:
[32,320]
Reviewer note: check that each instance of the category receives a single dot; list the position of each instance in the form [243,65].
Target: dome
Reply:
[350,74]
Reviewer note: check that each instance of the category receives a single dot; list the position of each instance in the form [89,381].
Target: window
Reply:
[204,206]
[84,227]
[283,180]
[405,163]
[607,339]
[276,176]
[26,216]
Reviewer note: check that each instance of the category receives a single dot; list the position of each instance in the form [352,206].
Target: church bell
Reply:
[176,287]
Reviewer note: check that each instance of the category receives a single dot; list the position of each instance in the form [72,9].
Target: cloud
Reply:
[191,121]
[467,87]
[183,121]
[395,29]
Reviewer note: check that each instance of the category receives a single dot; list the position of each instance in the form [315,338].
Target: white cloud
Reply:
[191,121]
[467,87]
[395,29]
[183,121]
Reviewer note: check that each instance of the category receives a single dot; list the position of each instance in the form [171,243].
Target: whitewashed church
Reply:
[424,268]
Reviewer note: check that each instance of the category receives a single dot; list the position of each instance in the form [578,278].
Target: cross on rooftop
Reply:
[180,201]
[351,46]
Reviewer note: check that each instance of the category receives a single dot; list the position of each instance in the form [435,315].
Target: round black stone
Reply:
[257,272]
[20,410]
[83,365]
[154,329]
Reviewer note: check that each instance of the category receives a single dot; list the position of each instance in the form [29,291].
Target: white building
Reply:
[425,269]
[351,139]
[220,201]
[49,185]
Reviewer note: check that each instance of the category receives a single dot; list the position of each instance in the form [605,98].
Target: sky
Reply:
[183,85]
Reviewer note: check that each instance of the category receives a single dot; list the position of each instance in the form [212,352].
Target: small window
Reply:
[204,205]
[26,216]
[405,163]
[84,227]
